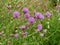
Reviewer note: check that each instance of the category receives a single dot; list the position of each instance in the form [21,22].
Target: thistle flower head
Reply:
[39,27]
[16,14]
[27,15]
[48,14]
[31,19]
[25,10]
[38,15]
[16,35]
[45,30]
[22,27]
[24,33]
[41,16]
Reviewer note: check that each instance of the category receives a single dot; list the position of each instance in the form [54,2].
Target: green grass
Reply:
[8,24]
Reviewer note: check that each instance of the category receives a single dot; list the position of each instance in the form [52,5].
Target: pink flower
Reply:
[16,35]
[25,10]
[27,15]
[45,30]
[31,19]
[24,33]
[38,15]
[48,14]
[41,16]
[39,27]
[0,33]
[16,14]
[22,27]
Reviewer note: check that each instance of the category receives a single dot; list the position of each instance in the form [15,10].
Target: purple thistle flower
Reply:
[16,14]
[16,35]
[22,27]
[39,27]
[41,16]
[38,15]
[48,14]
[45,30]
[25,10]
[24,33]
[27,15]
[41,34]
[31,19]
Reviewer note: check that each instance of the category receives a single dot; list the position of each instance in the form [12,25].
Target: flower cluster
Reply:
[31,19]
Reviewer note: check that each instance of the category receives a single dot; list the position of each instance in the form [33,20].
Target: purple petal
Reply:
[48,14]
[27,15]
[31,19]
[22,27]
[16,14]
[39,15]
[24,33]
[25,10]
[16,35]
[39,27]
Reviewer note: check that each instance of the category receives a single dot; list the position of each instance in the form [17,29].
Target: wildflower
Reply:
[22,27]
[36,14]
[0,33]
[39,27]
[27,15]
[25,10]
[45,30]
[16,14]
[24,33]
[39,15]
[41,34]
[16,35]
[31,19]
[48,14]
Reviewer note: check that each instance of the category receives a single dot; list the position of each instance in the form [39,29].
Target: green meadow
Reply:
[9,25]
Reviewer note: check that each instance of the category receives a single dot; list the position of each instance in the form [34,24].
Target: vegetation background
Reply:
[8,24]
